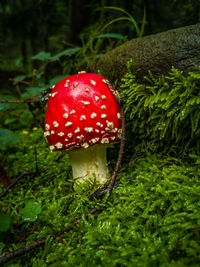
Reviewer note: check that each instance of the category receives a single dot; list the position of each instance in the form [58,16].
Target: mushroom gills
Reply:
[90,163]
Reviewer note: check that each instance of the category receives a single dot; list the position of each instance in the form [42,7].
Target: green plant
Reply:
[31,211]
[128,17]
[163,112]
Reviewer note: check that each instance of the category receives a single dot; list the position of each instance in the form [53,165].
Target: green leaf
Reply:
[19,78]
[43,56]
[5,106]
[31,211]
[32,91]
[56,79]
[117,19]
[110,35]
[129,17]
[4,222]
[10,120]
[67,52]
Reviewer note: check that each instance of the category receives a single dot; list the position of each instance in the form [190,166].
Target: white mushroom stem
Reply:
[89,163]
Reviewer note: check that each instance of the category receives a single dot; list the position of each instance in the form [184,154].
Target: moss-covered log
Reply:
[158,52]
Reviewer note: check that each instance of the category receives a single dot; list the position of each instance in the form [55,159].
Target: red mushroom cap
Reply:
[82,111]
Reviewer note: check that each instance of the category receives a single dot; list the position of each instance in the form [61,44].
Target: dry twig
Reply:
[20,101]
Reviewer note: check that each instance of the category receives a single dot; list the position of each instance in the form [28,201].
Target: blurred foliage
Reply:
[28,27]
[130,18]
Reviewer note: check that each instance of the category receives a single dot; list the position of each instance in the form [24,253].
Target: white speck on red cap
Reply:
[61,134]
[85,102]
[85,145]
[103,97]
[59,145]
[118,115]
[52,132]
[55,124]
[80,137]
[105,141]
[103,116]
[82,117]
[93,115]
[73,111]
[110,125]
[53,94]
[70,135]
[96,98]
[94,140]
[65,115]
[88,129]
[69,123]
[93,82]
[47,133]
[67,83]
[47,126]
[103,107]
[77,130]
[99,124]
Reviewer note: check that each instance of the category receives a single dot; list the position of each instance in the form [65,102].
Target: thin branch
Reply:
[43,98]
[40,242]
[19,81]
[24,173]
[20,101]
[121,151]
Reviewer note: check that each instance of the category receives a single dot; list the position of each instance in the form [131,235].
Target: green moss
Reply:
[163,113]
[152,219]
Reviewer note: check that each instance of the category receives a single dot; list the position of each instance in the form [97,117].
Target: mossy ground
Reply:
[152,220]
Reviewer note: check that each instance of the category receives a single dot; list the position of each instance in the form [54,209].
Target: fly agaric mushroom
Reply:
[83,117]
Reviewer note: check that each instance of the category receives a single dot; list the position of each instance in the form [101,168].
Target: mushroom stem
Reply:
[90,163]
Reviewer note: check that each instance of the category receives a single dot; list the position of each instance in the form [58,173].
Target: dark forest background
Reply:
[28,27]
